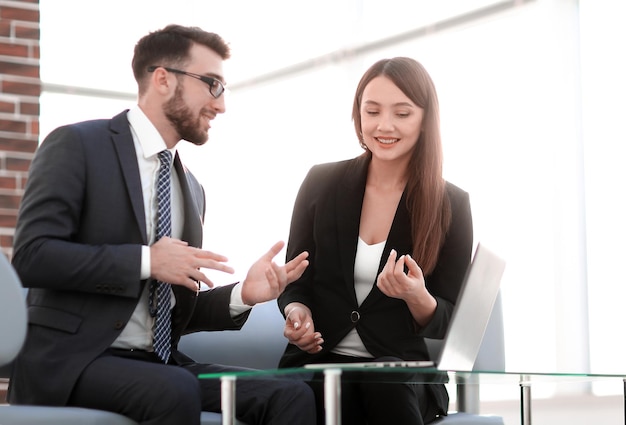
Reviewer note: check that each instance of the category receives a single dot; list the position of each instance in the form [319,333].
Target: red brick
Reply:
[29,108]
[27,89]
[18,14]
[27,32]
[8,183]
[7,107]
[18,144]
[6,240]
[5,29]
[17,164]
[20,21]
[10,201]
[12,49]
[8,220]
[15,126]
[23,70]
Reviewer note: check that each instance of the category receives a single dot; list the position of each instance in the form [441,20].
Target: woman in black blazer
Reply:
[389,241]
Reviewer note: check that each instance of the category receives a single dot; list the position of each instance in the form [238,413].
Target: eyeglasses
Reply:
[216,87]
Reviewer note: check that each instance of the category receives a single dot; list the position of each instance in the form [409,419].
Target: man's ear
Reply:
[162,81]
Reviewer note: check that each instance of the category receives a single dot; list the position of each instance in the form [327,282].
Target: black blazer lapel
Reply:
[127,156]
[193,196]
[399,238]
[349,204]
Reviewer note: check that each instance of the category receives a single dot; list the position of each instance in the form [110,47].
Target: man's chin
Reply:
[198,141]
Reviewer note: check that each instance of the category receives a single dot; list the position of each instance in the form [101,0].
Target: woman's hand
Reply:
[299,328]
[408,286]
[395,283]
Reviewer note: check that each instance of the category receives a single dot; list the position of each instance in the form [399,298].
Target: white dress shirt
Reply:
[138,333]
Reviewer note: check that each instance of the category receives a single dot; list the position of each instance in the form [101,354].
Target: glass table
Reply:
[333,375]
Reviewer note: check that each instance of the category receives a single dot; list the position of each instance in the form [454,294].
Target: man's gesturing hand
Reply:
[175,262]
[266,280]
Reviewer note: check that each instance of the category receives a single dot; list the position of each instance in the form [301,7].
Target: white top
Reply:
[365,274]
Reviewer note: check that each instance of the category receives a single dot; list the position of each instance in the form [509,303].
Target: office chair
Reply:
[490,358]
[13,327]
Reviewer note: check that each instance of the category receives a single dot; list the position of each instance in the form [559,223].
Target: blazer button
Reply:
[355,316]
[118,325]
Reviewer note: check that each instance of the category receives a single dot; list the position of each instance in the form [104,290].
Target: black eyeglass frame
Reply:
[216,87]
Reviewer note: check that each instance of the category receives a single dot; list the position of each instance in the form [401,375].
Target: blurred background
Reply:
[532,111]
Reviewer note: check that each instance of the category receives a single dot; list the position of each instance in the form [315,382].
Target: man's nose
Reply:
[219,104]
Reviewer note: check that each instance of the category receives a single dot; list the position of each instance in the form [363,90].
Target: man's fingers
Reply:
[296,262]
[272,276]
[298,271]
[296,266]
[274,250]
[220,267]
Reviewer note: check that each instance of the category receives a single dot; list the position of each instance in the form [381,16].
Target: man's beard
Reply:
[183,120]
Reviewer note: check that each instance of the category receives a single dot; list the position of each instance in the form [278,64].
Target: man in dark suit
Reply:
[88,248]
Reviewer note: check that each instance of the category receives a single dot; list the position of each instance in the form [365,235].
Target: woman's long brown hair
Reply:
[427,200]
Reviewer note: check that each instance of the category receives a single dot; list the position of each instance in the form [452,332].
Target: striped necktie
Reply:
[163,324]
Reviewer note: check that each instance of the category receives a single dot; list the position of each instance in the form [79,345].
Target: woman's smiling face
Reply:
[390,122]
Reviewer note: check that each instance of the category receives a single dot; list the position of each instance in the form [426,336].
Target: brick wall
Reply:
[20,87]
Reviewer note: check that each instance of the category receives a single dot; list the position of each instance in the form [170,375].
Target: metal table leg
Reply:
[228,400]
[467,394]
[332,396]
[524,384]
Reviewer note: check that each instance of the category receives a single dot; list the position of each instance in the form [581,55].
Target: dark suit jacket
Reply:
[325,223]
[77,247]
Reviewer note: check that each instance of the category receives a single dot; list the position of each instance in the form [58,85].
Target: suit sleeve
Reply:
[67,237]
[445,282]
[301,239]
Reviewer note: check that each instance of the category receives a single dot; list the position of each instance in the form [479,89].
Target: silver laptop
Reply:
[468,323]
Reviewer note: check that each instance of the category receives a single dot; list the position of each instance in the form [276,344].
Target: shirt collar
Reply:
[148,136]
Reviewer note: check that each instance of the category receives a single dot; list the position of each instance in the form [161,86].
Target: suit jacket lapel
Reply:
[349,204]
[194,204]
[399,238]
[124,145]
[193,198]
[400,233]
